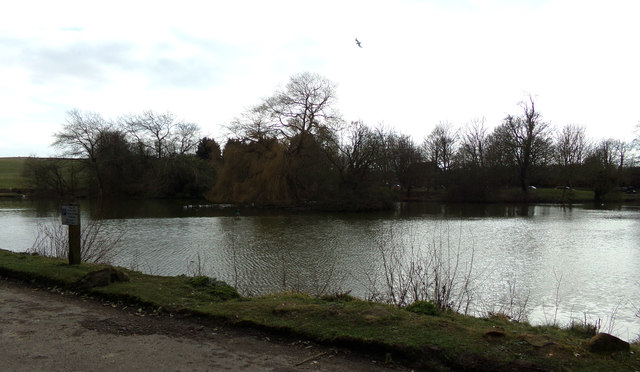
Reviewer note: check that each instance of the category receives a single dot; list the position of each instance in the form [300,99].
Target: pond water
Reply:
[564,262]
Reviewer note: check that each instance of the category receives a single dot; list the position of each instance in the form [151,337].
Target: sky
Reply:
[421,62]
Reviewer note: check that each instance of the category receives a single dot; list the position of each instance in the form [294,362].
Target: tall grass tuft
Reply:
[584,327]
[513,305]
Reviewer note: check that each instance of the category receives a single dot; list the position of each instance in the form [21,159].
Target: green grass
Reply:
[553,195]
[542,195]
[438,341]
[11,173]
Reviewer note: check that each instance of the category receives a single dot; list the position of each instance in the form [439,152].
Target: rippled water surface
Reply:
[568,262]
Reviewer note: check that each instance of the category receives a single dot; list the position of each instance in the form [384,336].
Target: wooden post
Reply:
[74,245]
[71,217]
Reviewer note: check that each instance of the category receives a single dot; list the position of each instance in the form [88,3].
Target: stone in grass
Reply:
[604,342]
[494,333]
[101,278]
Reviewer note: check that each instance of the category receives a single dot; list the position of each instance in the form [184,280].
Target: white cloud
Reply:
[422,61]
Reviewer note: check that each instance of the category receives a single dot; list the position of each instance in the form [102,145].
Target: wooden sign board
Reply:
[71,215]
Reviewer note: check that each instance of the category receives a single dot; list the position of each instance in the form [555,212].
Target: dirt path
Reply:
[45,331]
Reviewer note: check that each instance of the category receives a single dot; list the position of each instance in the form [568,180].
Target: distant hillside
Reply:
[11,173]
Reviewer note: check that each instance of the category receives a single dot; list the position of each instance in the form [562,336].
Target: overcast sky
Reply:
[421,62]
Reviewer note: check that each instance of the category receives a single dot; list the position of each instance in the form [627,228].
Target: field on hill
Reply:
[11,173]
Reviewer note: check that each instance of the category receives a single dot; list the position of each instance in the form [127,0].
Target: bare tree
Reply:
[635,145]
[602,163]
[528,140]
[383,136]
[80,138]
[473,144]
[571,145]
[161,135]
[150,131]
[609,152]
[499,149]
[185,138]
[80,134]
[403,155]
[440,145]
[254,125]
[622,150]
[303,108]
[358,152]
[394,155]
[305,105]
[571,149]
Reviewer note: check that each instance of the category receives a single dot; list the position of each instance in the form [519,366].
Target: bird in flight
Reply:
[358,43]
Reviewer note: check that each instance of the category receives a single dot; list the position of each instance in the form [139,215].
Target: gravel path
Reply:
[45,331]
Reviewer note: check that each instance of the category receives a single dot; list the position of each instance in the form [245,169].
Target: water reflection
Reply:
[460,210]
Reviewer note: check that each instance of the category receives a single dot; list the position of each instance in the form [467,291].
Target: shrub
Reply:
[439,271]
[97,245]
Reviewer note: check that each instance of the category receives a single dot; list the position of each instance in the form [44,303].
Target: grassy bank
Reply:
[546,195]
[532,196]
[568,196]
[513,195]
[438,342]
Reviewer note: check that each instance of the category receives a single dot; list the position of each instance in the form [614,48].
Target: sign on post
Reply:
[71,217]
